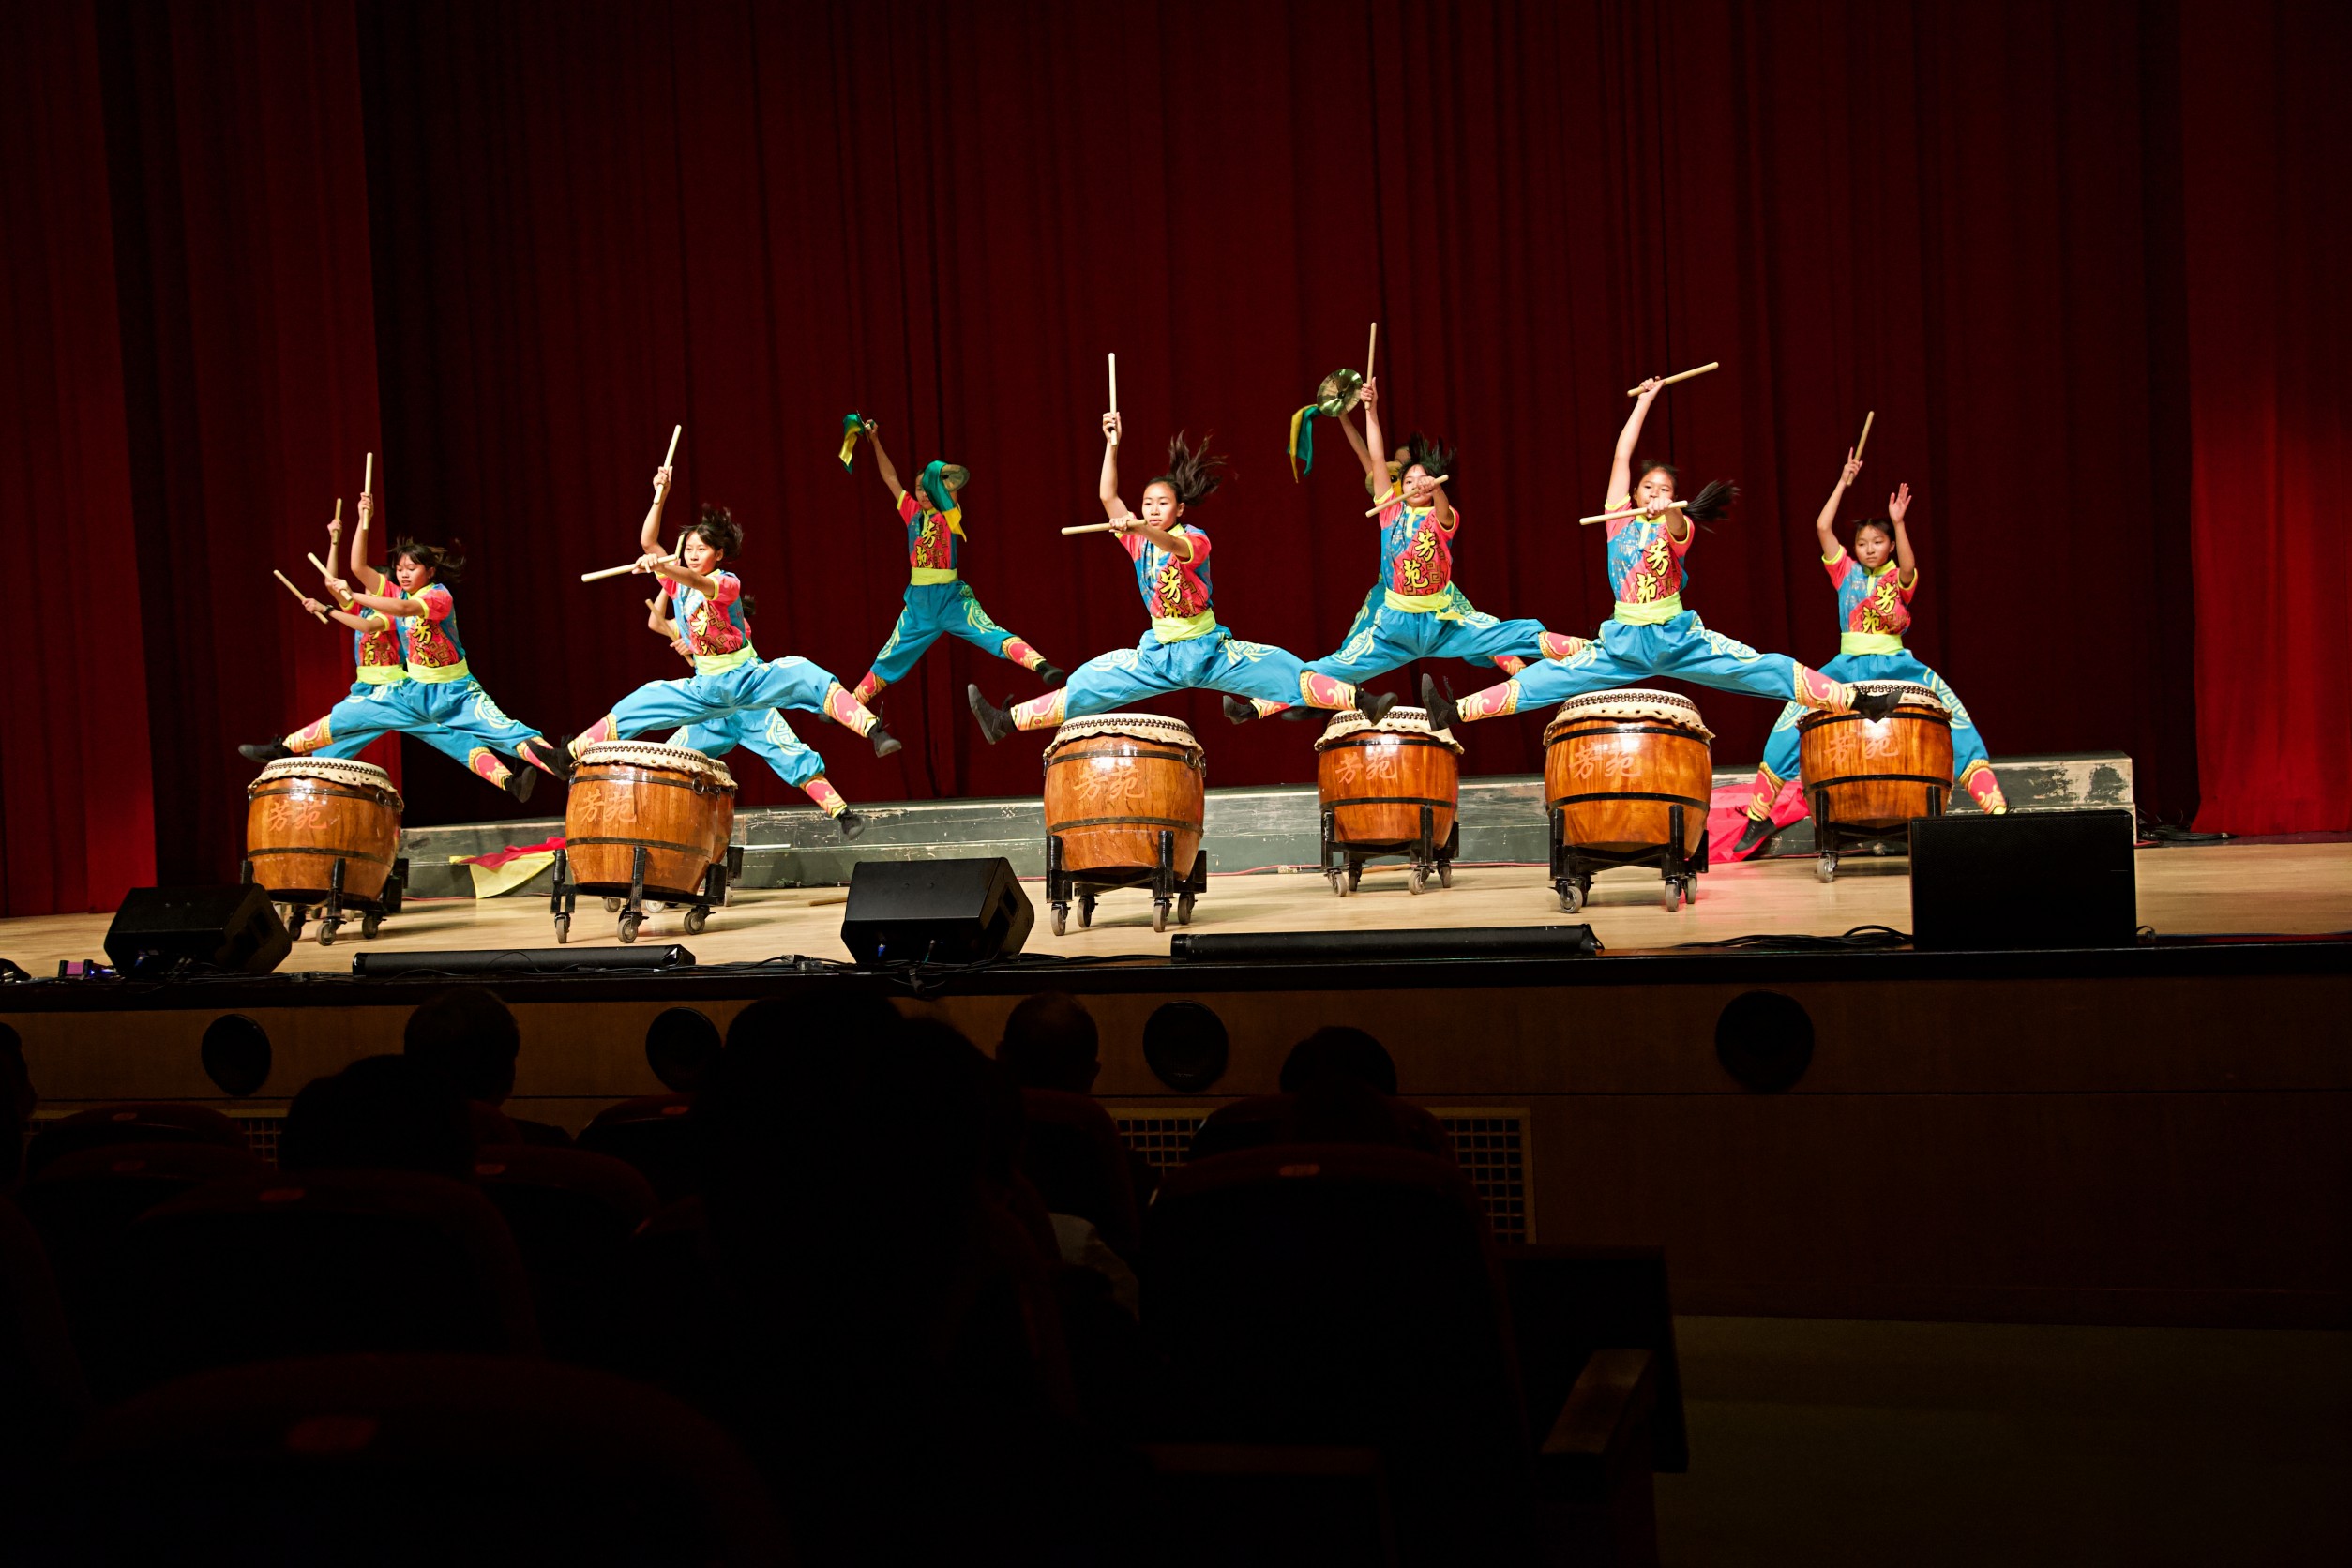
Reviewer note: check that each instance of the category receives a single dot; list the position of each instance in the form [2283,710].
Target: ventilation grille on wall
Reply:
[261,1129]
[1490,1142]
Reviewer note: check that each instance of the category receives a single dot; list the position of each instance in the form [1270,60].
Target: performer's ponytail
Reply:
[1434,455]
[445,561]
[1194,473]
[1714,501]
[720,530]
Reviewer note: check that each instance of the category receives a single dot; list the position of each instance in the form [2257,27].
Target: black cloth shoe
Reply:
[850,824]
[1875,704]
[521,782]
[1436,704]
[266,751]
[557,753]
[995,723]
[1239,711]
[1373,706]
[885,744]
[1755,838]
[1052,675]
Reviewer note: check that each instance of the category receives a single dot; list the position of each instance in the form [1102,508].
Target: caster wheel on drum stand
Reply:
[294,917]
[1159,914]
[327,928]
[1571,897]
[370,927]
[1356,875]
[1417,880]
[613,905]
[1670,899]
[1825,868]
[1445,873]
[696,919]
[1060,920]
[1183,909]
[563,929]
[1338,883]
[1086,911]
[630,921]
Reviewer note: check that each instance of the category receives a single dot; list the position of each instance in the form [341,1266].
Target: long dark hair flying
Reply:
[445,561]
[1194,473]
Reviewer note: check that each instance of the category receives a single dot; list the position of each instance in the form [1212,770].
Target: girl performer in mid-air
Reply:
[938,600]
[766,734]
[1186,649]
[1650,633]
[435,697]
[1874,585]
[729,675]
[1415,611]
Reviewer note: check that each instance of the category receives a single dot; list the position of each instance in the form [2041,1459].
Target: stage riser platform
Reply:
[2125,1147]
[1502,818]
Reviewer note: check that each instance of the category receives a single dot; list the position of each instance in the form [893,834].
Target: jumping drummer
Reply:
[1419,613]
[1874,585]
[435,696]
[1185,650]
[1650,633]
[728,676]
[766,734]
[938,600]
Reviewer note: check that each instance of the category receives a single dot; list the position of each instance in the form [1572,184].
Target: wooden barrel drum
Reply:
[1867,778]
[1620,769]
[325,831]
[644,822]
[1123,801]
[1387,788]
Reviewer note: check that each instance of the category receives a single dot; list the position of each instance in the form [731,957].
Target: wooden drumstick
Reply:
[1093,528]
[1114,386]
[675,430]
[621,571]
[341,600]
[367,485]
[1865,435]
[300,597]
[1632,512]
[1376,511]
[1368,350]
[1686,375]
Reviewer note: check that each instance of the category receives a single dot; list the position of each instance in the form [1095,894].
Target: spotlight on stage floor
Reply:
[523,961]
[1467,941]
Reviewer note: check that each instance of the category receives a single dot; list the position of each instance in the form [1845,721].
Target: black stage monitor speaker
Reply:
[2035,879]
[951,912]
[233,930]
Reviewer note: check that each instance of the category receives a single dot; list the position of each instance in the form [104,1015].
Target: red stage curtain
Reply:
[2268,328]
[77,825]
[593,220]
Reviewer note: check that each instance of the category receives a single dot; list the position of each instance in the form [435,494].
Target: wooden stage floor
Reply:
[2247,888]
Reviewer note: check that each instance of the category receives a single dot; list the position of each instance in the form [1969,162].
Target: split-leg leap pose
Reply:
[440,701]
[1650,633]
[1874,585]
[767,735]
[728,676]
[1419,613]
[374,705]
[938,602]
[1186,650]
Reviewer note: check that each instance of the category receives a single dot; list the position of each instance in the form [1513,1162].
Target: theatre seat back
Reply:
[263,1267]
[137,1121]
[1072,1154]
[656,1134]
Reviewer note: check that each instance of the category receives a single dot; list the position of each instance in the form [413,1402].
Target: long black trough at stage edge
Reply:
[522,960]
[1467,941]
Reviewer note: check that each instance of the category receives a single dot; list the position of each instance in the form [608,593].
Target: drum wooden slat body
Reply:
[1616,764]
[1110,793]
[303,815]
[1375,782]
[678,804]
[1878,775]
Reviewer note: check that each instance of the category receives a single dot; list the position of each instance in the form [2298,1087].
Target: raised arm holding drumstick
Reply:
[1650,633]
[938,602]
[1875,584]
[1185,648]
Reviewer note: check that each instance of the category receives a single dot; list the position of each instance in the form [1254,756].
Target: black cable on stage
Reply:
[1861,938]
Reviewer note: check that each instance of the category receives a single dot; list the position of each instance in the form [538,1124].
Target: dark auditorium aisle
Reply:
[1825,1443]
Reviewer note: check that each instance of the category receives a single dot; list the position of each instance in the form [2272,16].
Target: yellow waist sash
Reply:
[1869,642]
[1184,628]
[719,664]
[1420,604]
[1657,613]
[440,675]
[925,577]
[381,674]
